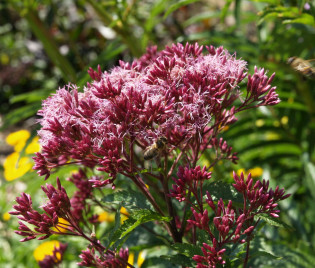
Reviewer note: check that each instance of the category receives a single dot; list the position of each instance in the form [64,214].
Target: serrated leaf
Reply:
[137,218]
[178,5]
[188,250]
[157,262]
[273,221]
[223,190]
[179,259]
[129,199]
[265,254]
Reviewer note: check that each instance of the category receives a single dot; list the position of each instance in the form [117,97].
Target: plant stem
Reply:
[247,254]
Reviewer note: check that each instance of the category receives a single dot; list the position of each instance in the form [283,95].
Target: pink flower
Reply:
[178,93]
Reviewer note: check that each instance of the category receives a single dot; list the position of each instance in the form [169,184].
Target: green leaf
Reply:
[188,250]
[310,176]
[29,97]
[295,105]
[274,144]
[20,114]
[201,16]
[157,262]
[273,221]
[137,218]
[179,259]
[178,5]
[304,19]
[225,9]
[264,254]
[128,199]
[223,190]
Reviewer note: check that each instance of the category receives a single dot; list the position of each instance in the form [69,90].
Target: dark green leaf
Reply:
[128,199]
[188,250]
[223,190]
[180,260]
[273,221]
[137,218]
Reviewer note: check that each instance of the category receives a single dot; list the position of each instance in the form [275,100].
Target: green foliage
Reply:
[128,199]
[137,218]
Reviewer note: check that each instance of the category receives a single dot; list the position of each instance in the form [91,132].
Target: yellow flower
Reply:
[107,217]
[18,139]
[46,248]
[61,223]
[15,167]
[239,171]
[131,258]
[124,214]
[33,147]
[124,211]
[110,217]
[6,216]
[141,258]
[256,172]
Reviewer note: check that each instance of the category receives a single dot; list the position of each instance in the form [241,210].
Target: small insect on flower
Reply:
[155,149]
[303,66]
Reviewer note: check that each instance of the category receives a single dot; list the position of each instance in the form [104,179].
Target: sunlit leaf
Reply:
[178,5]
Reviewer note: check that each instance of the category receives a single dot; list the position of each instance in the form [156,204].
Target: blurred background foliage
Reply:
[46,44]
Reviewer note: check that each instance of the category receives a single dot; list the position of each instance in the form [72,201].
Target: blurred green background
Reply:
[46,44]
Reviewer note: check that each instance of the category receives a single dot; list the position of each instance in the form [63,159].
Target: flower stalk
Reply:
[187,98]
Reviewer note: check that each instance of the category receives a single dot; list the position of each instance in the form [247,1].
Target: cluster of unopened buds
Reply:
[171,104]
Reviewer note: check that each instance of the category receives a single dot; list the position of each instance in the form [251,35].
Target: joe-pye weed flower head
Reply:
[177,93]
[180,94]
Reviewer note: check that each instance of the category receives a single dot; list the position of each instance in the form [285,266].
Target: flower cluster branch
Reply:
[170,104]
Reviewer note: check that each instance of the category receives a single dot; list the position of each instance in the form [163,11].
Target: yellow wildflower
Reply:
[18,139]
[131,258]
[46,248]
[239,171]
[141,258]
[6,216]
[33,147]
[107,217]
[124,214]
[256,172]
[61,223]
[15,167]
[110,217]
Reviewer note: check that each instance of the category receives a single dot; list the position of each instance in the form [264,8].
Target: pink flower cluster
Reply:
[180,94]
[232,225]
[57,207]
[51,261]
[177,93]
[90,259]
